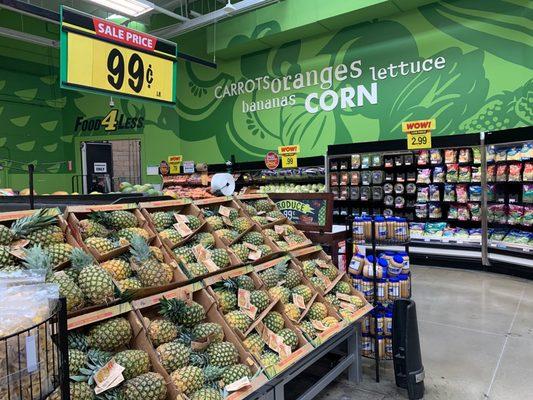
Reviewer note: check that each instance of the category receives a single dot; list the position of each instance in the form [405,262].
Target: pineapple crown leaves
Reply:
[226,285]
[208,212]
[31,223]
[140,249]
[81,259]
[112,394]
[213,374]
[96,359]
[199,359]
[171,308]
[36,259]
[281,268]
[99,216]
[77,340]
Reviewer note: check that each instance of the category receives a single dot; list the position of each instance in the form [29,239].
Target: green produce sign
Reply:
[309,211]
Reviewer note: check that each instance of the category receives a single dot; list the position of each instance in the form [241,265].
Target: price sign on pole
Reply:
[289,156]
[419,133]
[175,162]
[103,57]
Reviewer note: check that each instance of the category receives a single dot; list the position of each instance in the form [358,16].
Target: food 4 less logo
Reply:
[112,122]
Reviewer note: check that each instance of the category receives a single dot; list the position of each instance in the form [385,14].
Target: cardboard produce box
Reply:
[149,308]
[75,214]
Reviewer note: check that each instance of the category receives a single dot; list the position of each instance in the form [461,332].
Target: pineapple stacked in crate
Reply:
[272,337]
[184,232]
[333,284]
[107,230]
[40,241]
[261,210]
[201,356]
[113,359]
[250,246]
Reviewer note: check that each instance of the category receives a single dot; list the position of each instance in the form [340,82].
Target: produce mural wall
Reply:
[466,63]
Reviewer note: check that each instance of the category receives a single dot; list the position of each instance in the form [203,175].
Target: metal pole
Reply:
[484,214]
[63,350]
[374,281]
[31,170]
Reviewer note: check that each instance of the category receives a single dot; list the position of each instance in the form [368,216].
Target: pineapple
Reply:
[260,299]
[263,205]
[229,234]
[172,235]
[206,393]
[194,222]
[6,259]
[208,329]
[304,291]
[291,311]
[188,379]
[308,328]
[80,391]
[274,321]
[206,239]
[238,320]
[241,251]
[94,281]
[46,236]
[132,283]
[245,282]
[261,220]
[59,253]
[110,334]
[196,269]
[162,331]
[269,358]
[283,245]
[280,293]
[318,311]
[90,227]
[163,220]
[309,267]
[250,210]
[128,233]
[289,338]
[331,271]
[292,278]
[215,222]
[135,362]
[242,224]
[265,250]
[270,277]
[173,355]
[37,228]
[318,282]
[296,238]
[220,257]
[148,386]
[223,354]
[36,259]
[255,238]
[119,269]
[76,360]
[254,343]
[275,214]
[272,234]
[329,321]
[227,300]
[121,219]
[157,253]
[333,300]
[185,254]
[182,312]
[235,372]
[342,287]
[101,245]
[149,271]
[77,341]
[6,236]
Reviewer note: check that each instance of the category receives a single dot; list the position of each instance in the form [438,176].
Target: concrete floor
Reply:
[476,334]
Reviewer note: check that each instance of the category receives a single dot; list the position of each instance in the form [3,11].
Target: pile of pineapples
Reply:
[309,268]
[164,224]
[228,228]
[194,352]
[90,349]
[226,294]
[288,237]
[39,229]
[105,231]
[252,242]
[262,211]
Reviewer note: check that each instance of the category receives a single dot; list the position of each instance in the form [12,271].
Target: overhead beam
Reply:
[210,18]
[195,14]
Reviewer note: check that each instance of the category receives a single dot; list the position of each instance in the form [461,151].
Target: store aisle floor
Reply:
[476,333]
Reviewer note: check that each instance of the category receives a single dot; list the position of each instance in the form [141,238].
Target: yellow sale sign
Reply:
[289,161]
[419,140]
[418,126]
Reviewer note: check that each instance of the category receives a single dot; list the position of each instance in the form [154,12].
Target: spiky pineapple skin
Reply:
[110,334]
[293,278]
[69,289]
[206,239]
[292,311]
[185,254]
[188,379]
[255,238]
[81,391]
[118,269]
[309,267]
[229,234]
[59,252]
[171,235]
[223,354]
[269,358]
[220,257]
[46,236]
[241,251]
[135,362]
[263,205]
[227,300]
[132,283]
[162,331]
[260,299]
[274,321]
[343,287]
[153,273]
[173,355]
[211,329]
[76,360]
[280,293]
[129,233]
[270,277]
[101,245]
[245,282]
[289,338]
[215,222]
[318,311]
[235,372]
[254,343]
[197,269]
[303,291]
[206,394]
[148,386]
[121,219]
[96,284]
[308,328]
[242,224]
[162,220]
[238,320]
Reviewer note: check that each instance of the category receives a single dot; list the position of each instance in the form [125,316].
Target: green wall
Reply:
[486,83]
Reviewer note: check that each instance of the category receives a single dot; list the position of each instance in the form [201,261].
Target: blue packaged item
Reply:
[396,265]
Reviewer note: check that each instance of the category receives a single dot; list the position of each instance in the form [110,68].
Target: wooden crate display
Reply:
[75,214]
[351,304]
[149,308]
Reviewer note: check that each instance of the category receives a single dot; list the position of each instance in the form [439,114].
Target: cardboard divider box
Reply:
[148,307]
[138,341]
[74,214]
[316,252]
[8,218]
[182,207]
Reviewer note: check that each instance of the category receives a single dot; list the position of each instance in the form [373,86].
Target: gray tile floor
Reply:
[476,334]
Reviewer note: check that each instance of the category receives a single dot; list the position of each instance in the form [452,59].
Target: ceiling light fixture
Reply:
[132,8]
[229,8]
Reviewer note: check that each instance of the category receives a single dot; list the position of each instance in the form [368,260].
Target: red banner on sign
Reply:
[117,33]
[272,160]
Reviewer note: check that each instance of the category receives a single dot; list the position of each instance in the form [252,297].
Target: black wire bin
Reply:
[34,360]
